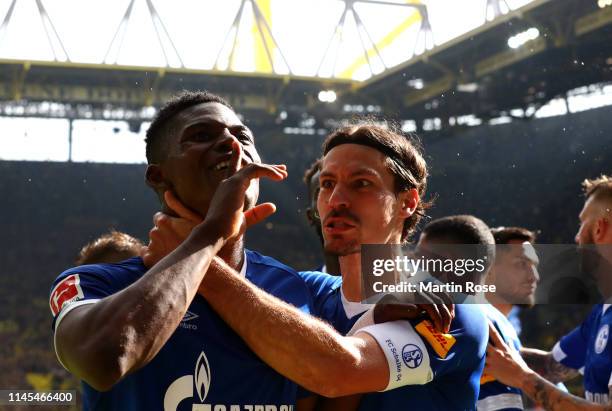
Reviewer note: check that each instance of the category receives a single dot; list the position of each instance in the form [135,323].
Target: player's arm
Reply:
[544,363]
[102,342]
[552,398]
[299,346]
[508,367]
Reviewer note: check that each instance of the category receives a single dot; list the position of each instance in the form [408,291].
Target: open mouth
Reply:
[221,166]
[224,165]
[338,225]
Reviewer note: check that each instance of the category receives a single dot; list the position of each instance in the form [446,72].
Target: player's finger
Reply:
[433,312]
[180,209]
[157,217]
[256,170]
[447,317]
[236,159]
[259,213]
[495,337]
[448,302]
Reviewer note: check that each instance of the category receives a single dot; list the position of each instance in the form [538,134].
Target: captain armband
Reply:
[405,351]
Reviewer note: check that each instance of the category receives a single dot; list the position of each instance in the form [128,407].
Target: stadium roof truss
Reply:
[479,74]
[476,73]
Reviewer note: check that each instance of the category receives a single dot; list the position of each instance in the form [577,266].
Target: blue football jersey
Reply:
[586,349]
[493,394]
[204,365]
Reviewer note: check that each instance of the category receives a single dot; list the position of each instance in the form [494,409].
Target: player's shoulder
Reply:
[320,280]
[278,279]
[494,314]
[124,271]
[93,282]
[259,261]
[262,269]
[470,325]
[596,316]
[470,314]
[127,269]
[502,324]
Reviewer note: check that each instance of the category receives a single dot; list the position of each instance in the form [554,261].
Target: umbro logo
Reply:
[189,316]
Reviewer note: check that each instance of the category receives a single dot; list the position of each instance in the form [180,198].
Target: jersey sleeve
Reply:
[82,285]
[571,349]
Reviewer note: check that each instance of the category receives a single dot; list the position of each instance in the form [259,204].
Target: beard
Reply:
[342,248]
[338,246]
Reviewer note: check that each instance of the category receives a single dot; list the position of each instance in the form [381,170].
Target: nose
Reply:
[224,141]
[535,275]
[338,198]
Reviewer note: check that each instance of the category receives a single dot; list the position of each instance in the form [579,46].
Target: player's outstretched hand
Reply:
[503,362]
[439,309]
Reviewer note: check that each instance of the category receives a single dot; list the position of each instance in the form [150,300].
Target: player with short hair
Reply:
[464,357]
[586,349]
[141,338]
[111,247]
[515,276]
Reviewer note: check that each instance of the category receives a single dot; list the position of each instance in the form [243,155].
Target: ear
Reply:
[409,200]
[155,179]
[602,228]
[310,215]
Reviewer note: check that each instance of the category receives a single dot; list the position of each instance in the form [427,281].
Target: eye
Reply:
[201,136]
[244,137]
[362,183]
[327,185]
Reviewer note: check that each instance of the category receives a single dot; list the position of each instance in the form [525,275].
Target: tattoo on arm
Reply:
[544,364]
[553,399]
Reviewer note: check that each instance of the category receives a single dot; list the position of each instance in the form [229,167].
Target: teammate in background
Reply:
[515,276]
[112,247]
[515,273]
[586,349]
[142,339]
[372,180]
[311,179]
[444,392]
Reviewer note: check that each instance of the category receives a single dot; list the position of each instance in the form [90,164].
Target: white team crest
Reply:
[602,339]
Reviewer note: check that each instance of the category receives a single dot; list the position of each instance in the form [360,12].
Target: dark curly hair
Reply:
[161,127]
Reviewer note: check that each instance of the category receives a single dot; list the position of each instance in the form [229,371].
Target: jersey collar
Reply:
[605,308]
